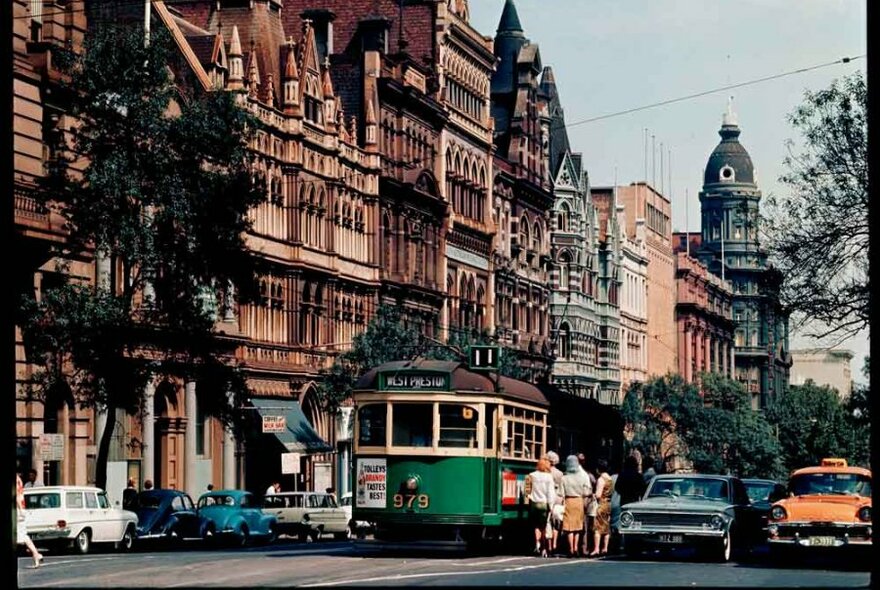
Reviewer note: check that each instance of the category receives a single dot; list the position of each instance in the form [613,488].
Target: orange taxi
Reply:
[829,506]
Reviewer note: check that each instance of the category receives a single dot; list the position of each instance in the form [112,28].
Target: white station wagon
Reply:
[77,516]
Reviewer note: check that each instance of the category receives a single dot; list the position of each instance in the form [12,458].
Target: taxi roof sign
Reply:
[834,463]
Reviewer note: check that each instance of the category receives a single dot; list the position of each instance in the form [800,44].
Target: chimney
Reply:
[374,33]
[322,21]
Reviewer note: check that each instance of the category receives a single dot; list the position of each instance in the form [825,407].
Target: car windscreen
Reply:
[758,492]
[842,484]
[689,487]
[37,501]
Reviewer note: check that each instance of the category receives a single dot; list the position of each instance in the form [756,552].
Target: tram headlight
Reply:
[626,519]
[412,484]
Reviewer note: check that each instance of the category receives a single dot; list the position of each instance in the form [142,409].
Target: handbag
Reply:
[557,513]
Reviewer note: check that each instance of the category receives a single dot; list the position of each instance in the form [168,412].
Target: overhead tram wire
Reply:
[843,60]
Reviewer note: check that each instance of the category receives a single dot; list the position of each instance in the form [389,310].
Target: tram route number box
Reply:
[484,358]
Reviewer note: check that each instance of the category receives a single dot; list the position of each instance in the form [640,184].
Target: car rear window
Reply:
[39,501]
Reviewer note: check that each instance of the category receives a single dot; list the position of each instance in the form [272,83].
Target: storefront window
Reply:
[458,426]
[371,425]
[413,425]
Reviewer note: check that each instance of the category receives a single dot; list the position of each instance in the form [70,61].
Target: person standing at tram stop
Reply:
[22,537]
[590,504]
[542,495]
[575,488]
[556,511]
[602,523]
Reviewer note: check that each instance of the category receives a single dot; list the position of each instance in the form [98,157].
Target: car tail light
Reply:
[61,524]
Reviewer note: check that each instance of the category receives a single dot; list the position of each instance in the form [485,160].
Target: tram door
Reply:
[491,466]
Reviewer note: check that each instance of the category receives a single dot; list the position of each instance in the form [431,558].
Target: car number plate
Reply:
[821,541]
[671,538]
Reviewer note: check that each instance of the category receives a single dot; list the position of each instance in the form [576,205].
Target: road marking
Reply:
[47,561]
[473,563]
[437,574]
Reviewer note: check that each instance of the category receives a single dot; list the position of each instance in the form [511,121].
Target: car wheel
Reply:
[273,533]
[127,541]
[315,535]
[208,535]
[346,534]
[303,537]
[243,536]
[725,549]
[174,538]
[83,542]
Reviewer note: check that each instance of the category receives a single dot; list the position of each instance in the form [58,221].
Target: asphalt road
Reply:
[328,564]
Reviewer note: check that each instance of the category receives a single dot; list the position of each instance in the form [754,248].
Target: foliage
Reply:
[388,338]
[712,428]
[165,200]
[818,234]
[813,423]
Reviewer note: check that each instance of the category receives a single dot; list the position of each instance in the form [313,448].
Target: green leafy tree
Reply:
[385,339]
[818,234]
[164,199]
[812,423]
[711,427]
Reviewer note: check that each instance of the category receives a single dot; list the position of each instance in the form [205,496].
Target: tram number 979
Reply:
[401,500]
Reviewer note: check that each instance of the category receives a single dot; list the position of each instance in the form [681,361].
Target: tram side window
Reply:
[413,425]
[371,425]
[525,432]
[458,426]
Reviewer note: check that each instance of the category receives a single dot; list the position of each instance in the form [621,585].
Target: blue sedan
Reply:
[236,516]
[167,515]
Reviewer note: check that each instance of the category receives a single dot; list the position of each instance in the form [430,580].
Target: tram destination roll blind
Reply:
[416,381]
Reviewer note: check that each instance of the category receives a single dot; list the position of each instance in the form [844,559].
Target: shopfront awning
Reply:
[298,435]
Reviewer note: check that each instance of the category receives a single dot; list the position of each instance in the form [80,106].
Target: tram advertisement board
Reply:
[512,487]
[371,483]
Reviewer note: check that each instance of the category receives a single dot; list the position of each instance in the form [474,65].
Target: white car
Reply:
[77,516]
[358,528]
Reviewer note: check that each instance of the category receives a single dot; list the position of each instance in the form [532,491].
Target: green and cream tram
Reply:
[441,452]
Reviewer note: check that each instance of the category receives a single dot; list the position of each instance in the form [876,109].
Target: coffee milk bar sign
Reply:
[416,381]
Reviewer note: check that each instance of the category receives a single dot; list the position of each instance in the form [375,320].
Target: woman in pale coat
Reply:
[21,529]
[575,488]
[541,498]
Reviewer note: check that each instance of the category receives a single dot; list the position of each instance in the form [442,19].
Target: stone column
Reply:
[229,479]
[190,437]
[229,303]
[707,350]
[148,466]
[689,352]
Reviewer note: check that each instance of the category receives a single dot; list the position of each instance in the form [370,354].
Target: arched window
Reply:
[524,232]
[536,238]
[564,347]
[562,218]
[564,271]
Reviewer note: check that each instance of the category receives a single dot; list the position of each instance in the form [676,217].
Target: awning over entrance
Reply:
[298,436]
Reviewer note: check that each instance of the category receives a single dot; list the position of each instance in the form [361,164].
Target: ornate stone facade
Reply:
[523,197]
[731,248]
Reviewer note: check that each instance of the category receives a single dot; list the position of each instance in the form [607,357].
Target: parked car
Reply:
[235,515]
[711,512]
[77,516]
[358,528]
[762,493]
[169,516]
[829,508]
[308,515]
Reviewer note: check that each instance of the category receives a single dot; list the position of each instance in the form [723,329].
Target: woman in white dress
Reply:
[21,528]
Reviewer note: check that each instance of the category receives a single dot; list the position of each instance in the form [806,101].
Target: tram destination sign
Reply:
[416,381]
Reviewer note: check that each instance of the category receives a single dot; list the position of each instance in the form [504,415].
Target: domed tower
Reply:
[732,250]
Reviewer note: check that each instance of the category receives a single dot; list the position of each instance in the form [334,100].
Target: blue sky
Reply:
[611,55]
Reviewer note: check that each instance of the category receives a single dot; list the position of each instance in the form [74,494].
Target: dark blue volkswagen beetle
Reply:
[236,516]
[168,515]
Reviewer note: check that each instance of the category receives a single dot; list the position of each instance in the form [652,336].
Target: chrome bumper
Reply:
[809,534]
[643,532]
[48,534]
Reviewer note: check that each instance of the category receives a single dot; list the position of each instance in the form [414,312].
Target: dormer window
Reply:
[727,174]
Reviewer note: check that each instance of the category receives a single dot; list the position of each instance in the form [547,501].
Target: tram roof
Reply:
[461,379]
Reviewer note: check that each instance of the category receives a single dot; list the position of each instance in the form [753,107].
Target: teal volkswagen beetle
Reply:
[236,516]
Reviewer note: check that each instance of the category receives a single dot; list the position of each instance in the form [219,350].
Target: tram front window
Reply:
[458,426]
[371,425]
[413,425]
